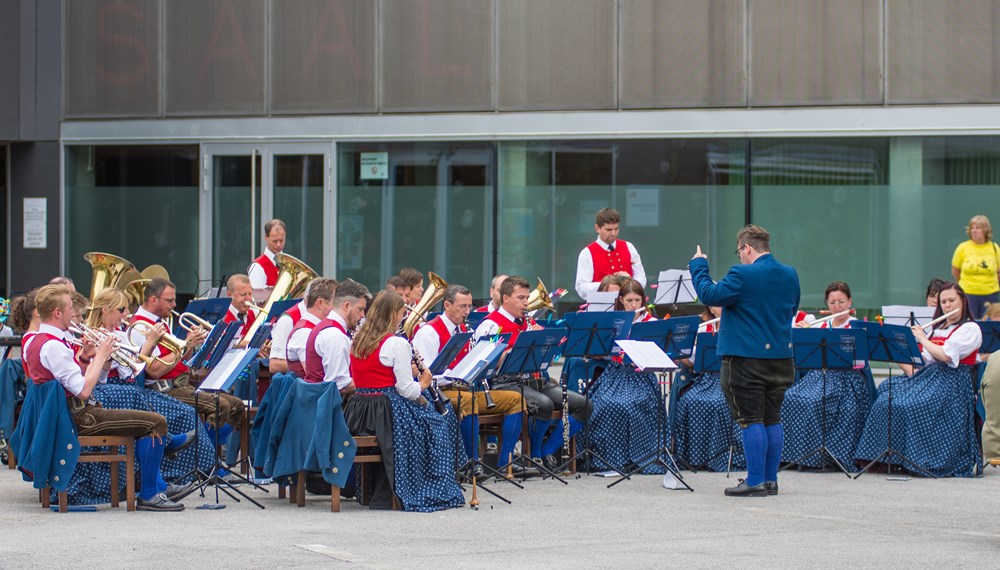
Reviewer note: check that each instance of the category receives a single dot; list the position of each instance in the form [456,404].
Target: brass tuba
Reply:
[432,296]
[539,299]
[293,277]
[108,270]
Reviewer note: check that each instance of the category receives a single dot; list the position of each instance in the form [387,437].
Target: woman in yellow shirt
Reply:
[976,266]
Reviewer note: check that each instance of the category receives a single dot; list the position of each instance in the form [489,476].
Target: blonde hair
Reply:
[380,320]
[107,299]
[236,279]
[992,312]
[983,222]
[49,298]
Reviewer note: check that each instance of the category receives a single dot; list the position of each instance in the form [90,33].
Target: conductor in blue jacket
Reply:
[761,297]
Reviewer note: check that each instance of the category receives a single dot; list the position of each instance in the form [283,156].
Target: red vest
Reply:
[270,269]
[444,335]
[484,309]
[313,369]
[247,323]
[38,373]
[507,325]
[295,312]
[294,365]
[370,372]
[179,368]
[24,351]
[610,262]
[970,360]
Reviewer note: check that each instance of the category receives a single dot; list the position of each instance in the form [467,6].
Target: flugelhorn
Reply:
[191,321]
[168,342]
[941,318]
[123,354]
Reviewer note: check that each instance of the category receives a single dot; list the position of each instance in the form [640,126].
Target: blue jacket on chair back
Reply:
[760,300]
[45,441]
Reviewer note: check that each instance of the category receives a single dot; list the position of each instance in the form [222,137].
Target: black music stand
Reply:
[200,357]
[906,315]
[674,286]
[991,336]
[474,369]
[592,335]
[279,308]
[827,349]
[212,310]
[892,343]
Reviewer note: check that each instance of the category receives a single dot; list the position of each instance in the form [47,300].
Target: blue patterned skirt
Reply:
[704,429]
[846,410]
[91,482]
[932,421]
[623,424]
[424,451]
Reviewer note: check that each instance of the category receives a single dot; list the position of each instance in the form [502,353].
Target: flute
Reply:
[711,322]
[941,318]
[831,318]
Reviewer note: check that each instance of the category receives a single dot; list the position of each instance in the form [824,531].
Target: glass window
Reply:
[432,211]
[672,195]
[137,202]
[3,216]
[298,201]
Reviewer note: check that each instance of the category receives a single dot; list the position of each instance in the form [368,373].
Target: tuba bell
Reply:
[432,295]
[293,277]
[540,299]
[108,270]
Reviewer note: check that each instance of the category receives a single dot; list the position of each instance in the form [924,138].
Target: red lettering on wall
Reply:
[343,45]
[121,43]
[428,67]
[226,15]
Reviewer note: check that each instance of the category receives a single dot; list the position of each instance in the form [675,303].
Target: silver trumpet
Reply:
[124,354]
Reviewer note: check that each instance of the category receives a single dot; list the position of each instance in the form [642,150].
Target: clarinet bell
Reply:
[489,399]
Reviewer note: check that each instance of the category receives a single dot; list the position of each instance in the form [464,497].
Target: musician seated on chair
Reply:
[397,284]
[241,302]
[281,331]
[263,271]
[494,303]
[50,357]
[431,339]
[607,255]
[543,396]
[168,374]
[413,285]
[319,300]
[328,347]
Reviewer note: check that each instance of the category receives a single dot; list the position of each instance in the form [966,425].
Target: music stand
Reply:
[279,308]
[601,301]
[827,349]
[448,353]
[674,286]
[906,315]
[212,310]
[475,318]
[892,343]
[222,345]
[991,336]
[204,352]
[474,369]
[221,379]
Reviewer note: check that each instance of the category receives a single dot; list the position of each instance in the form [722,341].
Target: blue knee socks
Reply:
[150,455]
[775,441]
[470,433]
[175,441]
[555,441]
[224,431]
[511,431]
[537,429]
[755,449]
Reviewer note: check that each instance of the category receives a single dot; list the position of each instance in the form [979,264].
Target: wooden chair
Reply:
[365,443]
[491,424]
[246,424]
[112,456]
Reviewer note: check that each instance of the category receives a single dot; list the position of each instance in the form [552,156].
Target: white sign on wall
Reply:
[374,166]
[35,221]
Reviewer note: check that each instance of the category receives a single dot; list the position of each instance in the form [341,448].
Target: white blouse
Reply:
[967,339]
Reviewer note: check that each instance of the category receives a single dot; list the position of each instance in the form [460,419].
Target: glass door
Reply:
[244,186]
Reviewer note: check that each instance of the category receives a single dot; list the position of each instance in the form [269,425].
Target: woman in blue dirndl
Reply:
[623,425]
[933,410]
[847,399]
[417,444]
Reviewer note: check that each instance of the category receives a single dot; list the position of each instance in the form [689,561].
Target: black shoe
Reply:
[175,492]
[188,440]
[521,471]
[744,490]
[551,462]
[159,502]
[772,487]
[317,485]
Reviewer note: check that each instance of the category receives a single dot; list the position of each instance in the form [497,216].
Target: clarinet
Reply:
[436,396]
[565,402]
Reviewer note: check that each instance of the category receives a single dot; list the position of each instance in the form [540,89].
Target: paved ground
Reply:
[818,520]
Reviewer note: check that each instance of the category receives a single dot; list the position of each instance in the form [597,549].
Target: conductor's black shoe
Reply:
[744,490]
[175,492]
[159,502]
[188,440]
[772,487]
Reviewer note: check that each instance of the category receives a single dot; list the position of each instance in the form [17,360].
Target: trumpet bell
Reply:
[435,291]
[540,299]
[108,269]
[293,277]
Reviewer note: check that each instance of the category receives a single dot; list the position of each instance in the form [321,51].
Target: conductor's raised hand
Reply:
[698,254]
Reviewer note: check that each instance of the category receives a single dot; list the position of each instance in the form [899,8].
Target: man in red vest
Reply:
[319,302]
[543,396]
[328,348]
[608,255]
[241,298]
[277,360]
[263,272]
[429,341]
[494,303]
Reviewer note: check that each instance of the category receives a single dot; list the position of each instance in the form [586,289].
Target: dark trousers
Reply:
[977,303]
[543,398]
[755,387]
[95,420]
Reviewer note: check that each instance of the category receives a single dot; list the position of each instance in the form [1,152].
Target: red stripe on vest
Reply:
[179,368]
[294,365]
[33,366]
[247,323]
[610,262]
[370,372]
[970,360]
[444,335]
[270,269]
[314,372]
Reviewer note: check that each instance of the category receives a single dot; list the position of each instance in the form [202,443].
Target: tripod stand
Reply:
[882,349]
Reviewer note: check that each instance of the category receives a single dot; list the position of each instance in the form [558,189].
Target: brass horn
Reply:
[108,270]
[539,298]
[432,295]
[293,277]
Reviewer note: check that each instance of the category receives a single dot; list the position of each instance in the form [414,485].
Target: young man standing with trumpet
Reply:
[760,297]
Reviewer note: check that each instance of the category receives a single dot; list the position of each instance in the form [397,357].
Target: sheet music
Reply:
[226,368]
[472,364]
[674,287]
[646,355]
[601,301]
[900,314]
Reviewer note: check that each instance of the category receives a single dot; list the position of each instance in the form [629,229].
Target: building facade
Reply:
[471,137]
